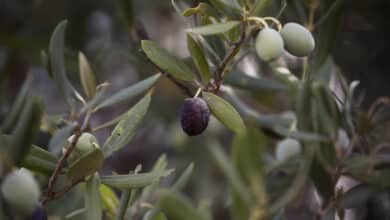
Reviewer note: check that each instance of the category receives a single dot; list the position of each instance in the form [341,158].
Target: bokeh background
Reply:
[111,43]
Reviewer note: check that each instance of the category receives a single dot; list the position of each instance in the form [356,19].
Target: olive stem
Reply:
[198,92]
[275,21]
[50,195]
[258,21]
[233,50]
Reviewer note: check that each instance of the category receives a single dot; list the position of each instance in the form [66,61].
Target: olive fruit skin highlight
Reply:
[297,39]
[195,116]
[269,44]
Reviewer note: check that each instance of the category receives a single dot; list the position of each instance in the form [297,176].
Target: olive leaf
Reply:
[259,7]
[166,61]
[56,56]
[85,165]
[126,128]
[93,203]
[87,76]
[129,92]
[160,216]
[226,8]
[247,151]
[321,179]
[245,82]
[60,139]
[26,129]
[199,58]
[178,207]
[329,28]
[184,178]
[213,29]
[39,160]
[110,200]
[17,107]
[130,181]
[225,166]
[127,197]
[224,112]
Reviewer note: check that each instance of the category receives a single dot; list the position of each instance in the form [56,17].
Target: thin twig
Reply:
[53,179]
[50,195]
[233,50]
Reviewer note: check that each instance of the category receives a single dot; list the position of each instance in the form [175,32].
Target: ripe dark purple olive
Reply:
[195,115]
[39,214]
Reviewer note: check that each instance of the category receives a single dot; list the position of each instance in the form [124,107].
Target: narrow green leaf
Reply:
[166,61]
[126,128]
[109,199]
[97,99]
[259,7]
[328,30]
[321,179]
[42,153]
[85,165]
[213,29]
[127,8]
[60,139]
[178,207]
[296,185]
[127,198]
[129,92]
[147,192]
[93,203]
[199,58]
[17,107]
[87,76]
[45,61]
[38,164]
[357,196]
[232,176]
[39,160]
[247,154]
[182,181]
[131,181]
[56,56]
[224,112]
[245,82]
[26,129]
[247,150]
[226,9]
[160,216]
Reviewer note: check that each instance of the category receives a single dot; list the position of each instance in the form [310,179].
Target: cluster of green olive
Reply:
[21,191]
[293,37]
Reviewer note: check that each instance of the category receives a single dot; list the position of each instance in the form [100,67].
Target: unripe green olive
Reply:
[269,44]
[21,192]
[297,39]
[85,144]
[287,149]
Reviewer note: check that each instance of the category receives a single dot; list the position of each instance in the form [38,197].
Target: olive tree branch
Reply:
[233,50]
[50,194]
